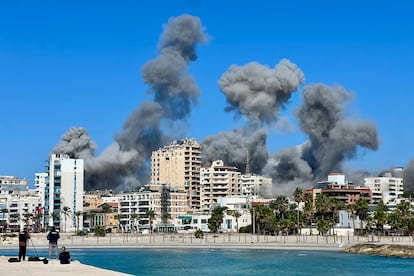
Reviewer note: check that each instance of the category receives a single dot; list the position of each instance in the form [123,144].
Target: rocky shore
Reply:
[389,250]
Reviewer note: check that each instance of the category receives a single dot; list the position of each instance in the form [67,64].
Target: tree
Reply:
[216,218]
[265,220]
[134,217]
[106,209]
[361,210]
[118,219]
[380,215]
[308,209]
[165,217]
[66,212]
[236,214]
[298,196]
[78,214]
[280,205]
[150,215]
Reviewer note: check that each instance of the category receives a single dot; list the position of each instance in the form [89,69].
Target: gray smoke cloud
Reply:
[258,92]
[175,90]
[124,164]
[233,147]
[333,138]
[288,170]
[409,177]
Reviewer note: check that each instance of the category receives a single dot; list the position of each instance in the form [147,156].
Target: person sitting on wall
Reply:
[64,256]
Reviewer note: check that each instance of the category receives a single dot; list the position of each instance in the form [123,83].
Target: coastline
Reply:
[176,241]
[227,240]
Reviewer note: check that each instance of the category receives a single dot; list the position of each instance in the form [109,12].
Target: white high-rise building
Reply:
[64,191]
[386,188]
[40,186]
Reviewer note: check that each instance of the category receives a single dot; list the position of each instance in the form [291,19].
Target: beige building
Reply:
[177,165]
[218,181]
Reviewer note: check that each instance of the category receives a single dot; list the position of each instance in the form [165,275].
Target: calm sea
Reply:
[235,262]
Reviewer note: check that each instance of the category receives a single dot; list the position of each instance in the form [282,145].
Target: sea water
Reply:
[235,262]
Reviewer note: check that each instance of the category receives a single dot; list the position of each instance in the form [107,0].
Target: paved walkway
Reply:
[27,268]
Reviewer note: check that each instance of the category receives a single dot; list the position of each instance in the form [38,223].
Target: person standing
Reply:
[23,237]
[53,237]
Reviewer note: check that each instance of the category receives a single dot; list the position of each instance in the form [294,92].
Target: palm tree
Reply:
[118,219]
[66,212]
[361,208]
[298,196]
[380,215]
[134,217]
[150,215]
[309,209]
[280,205]
[77,214]
[237,214]
[106,209]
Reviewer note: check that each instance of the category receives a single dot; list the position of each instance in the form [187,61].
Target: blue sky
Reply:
[77,63]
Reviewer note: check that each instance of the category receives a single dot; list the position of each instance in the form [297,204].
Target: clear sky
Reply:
[78,63]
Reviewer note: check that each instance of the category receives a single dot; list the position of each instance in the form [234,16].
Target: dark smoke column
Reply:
[124,165]
[333,138]
[256,92]
[167,75]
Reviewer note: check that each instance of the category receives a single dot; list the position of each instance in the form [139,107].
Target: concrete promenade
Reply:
[210,240]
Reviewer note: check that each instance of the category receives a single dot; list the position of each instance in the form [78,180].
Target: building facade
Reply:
[386,188]
[177,165]
[64,192]
[218,181]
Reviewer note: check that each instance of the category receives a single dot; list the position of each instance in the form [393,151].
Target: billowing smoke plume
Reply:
[288,170]
[234,147]
[333,138]
[174,88]
[124,164]
[409,177]
[258,92]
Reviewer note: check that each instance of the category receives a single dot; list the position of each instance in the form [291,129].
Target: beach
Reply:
[173,241]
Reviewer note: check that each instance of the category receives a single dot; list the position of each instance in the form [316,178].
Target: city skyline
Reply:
[80,65]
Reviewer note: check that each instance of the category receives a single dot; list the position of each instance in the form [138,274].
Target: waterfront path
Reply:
[209,240]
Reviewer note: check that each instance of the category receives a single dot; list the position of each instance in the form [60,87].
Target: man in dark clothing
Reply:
[53,237]
[23,237]
[64,256]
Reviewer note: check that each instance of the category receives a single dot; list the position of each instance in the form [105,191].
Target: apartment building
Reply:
[255,185]
[13,185]
[218,181]
[386,188]
[337,187]
[64,190]
[177,165]
[166,205]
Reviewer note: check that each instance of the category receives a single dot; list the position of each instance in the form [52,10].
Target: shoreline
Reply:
[233,240]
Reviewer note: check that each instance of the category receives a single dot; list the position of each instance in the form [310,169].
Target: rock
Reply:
[404,251]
